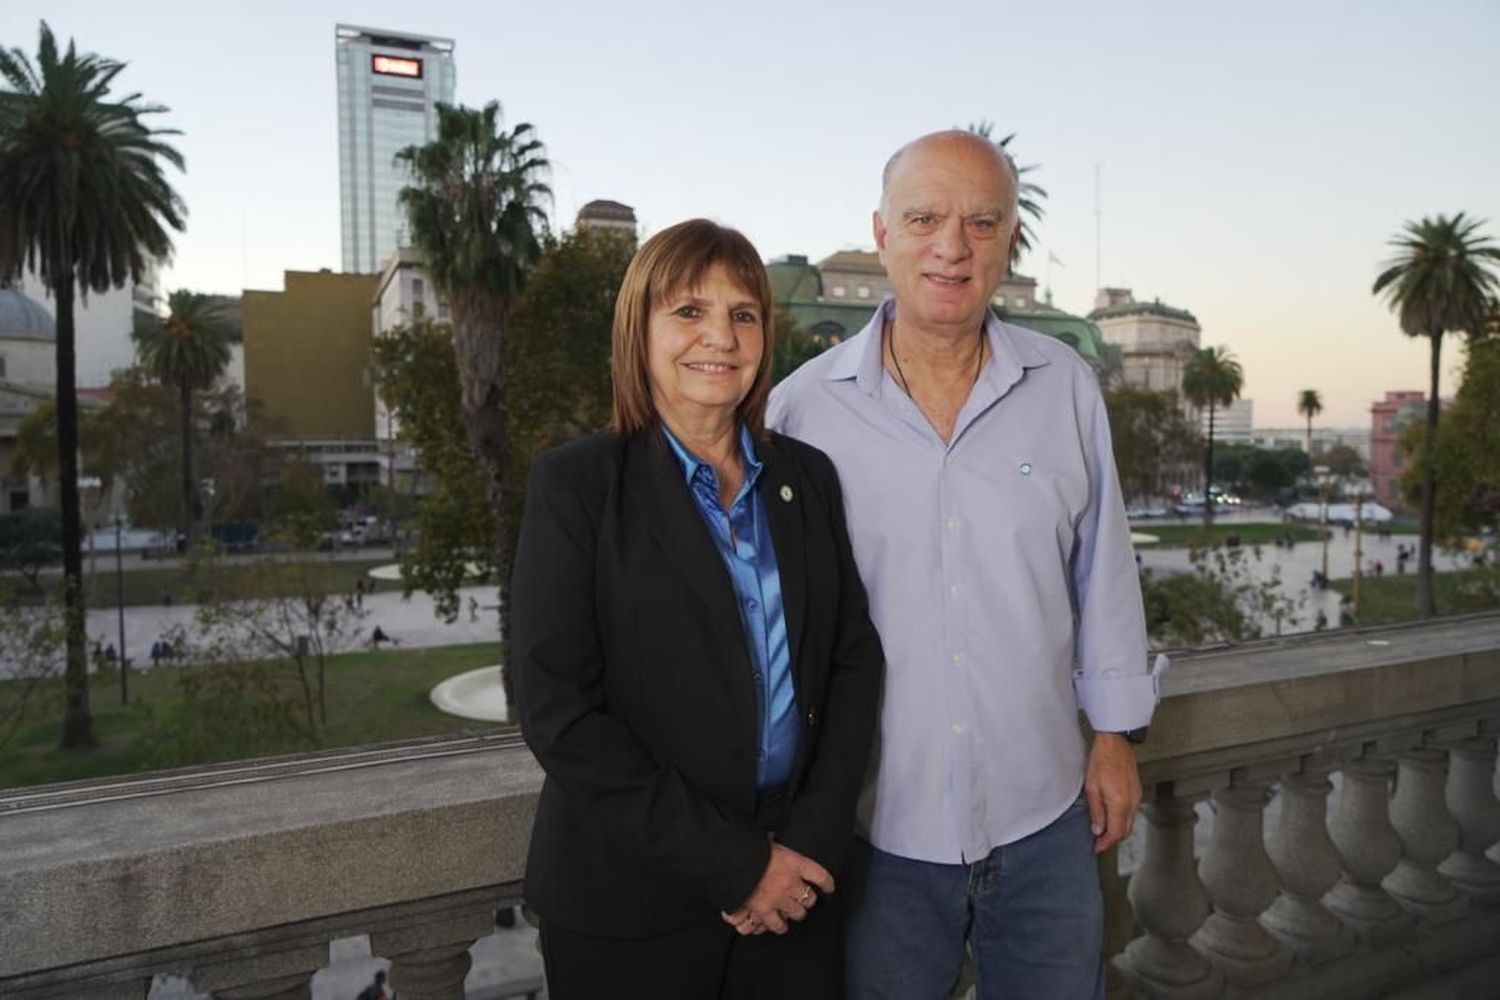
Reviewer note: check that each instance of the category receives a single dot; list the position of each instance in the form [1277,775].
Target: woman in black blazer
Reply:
[695,665]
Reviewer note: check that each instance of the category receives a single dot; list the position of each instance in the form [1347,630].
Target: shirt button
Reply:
[757,677]
[958,729]
[812,717]
[953,523]
[953,590]
[958,657]
[751,603]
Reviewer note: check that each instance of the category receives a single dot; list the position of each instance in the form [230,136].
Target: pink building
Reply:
[1389,421]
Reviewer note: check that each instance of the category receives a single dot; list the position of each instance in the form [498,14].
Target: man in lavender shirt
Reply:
[987,522]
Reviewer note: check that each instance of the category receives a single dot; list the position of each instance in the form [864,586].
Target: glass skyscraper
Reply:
[389,84]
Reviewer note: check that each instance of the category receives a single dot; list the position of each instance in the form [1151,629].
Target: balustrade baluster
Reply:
[1309,866]
[1369,849]
[1472,800]
[1241,883]
[1171,904]
[278,975]
[430,961]
[1428,835]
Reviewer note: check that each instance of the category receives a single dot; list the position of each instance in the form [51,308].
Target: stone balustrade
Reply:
[1391,888]
[1374,751]
[236,878]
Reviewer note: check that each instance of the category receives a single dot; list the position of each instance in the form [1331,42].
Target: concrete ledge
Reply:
[1315,690]
[88,881]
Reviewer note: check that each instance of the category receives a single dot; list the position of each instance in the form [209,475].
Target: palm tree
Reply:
[475,213]
[187,351]
[1439,281]
[1212,378]
[1309,404]
[85,204]
[1030,195]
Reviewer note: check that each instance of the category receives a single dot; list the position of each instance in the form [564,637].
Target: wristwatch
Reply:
[1136,736]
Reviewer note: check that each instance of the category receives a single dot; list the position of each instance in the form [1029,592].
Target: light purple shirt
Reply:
[1001,578]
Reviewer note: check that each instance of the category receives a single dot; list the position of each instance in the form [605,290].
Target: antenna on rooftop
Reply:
[1098,229]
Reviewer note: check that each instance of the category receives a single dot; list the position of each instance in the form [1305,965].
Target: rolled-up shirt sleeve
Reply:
[1116,688]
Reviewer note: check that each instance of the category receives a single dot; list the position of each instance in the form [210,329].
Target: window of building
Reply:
[2,366]
[839,291]
[1000,301]
[862,292]
[416,290]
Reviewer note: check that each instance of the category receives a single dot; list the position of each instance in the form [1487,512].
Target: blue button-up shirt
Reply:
[1001,578]
[742,536]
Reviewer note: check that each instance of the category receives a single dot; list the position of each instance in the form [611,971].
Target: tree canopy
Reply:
[85,203]
[1440,279]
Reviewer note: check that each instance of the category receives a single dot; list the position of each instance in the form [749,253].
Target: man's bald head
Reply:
[951,139]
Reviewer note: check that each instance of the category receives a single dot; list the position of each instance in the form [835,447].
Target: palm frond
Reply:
[1441,276]
[1029,194]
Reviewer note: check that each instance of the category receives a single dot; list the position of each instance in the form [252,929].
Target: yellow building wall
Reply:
[307,354]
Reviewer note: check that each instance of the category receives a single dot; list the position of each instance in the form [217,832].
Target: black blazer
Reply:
[635,692]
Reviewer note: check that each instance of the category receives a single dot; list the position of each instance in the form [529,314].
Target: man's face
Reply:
[945,232]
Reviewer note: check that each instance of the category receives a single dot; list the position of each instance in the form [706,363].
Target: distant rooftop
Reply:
[853,260]
[602,208]
[1153,308]
[391,39]
[22,318]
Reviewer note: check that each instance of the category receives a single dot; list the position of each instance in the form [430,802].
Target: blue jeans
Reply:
[1031,911]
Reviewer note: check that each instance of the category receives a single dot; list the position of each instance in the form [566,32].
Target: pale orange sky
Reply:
[1255,157]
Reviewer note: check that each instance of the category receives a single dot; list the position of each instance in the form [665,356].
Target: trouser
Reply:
[1031,913]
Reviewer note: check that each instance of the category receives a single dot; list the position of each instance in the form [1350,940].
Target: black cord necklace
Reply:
[890,333]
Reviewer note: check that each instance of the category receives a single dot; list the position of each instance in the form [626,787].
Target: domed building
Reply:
[28,367]
[834,299]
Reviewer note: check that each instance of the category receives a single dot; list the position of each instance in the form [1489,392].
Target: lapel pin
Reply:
[1025,468]
[786,494]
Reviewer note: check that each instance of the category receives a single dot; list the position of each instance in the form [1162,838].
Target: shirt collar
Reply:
[694,468]
[863,363]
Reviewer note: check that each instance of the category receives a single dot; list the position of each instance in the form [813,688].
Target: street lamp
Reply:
[120,609]
[1324,479]
[1359,535]
[208,488]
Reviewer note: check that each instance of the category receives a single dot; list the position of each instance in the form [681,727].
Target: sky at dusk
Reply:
[1252,159]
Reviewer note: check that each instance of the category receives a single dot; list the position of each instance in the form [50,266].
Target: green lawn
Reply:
[372,697]
[1387,599]
[1183,535]
[175,583]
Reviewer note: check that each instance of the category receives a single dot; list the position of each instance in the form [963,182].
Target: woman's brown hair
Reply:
[674,260]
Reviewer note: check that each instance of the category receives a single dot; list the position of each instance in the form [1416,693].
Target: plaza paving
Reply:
[1297,564]
[411,622]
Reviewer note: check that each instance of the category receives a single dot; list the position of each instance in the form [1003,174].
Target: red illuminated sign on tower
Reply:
[397,66]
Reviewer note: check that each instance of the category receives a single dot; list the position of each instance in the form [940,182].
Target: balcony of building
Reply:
[1374,872]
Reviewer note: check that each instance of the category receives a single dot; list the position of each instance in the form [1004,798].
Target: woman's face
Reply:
[703,349]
